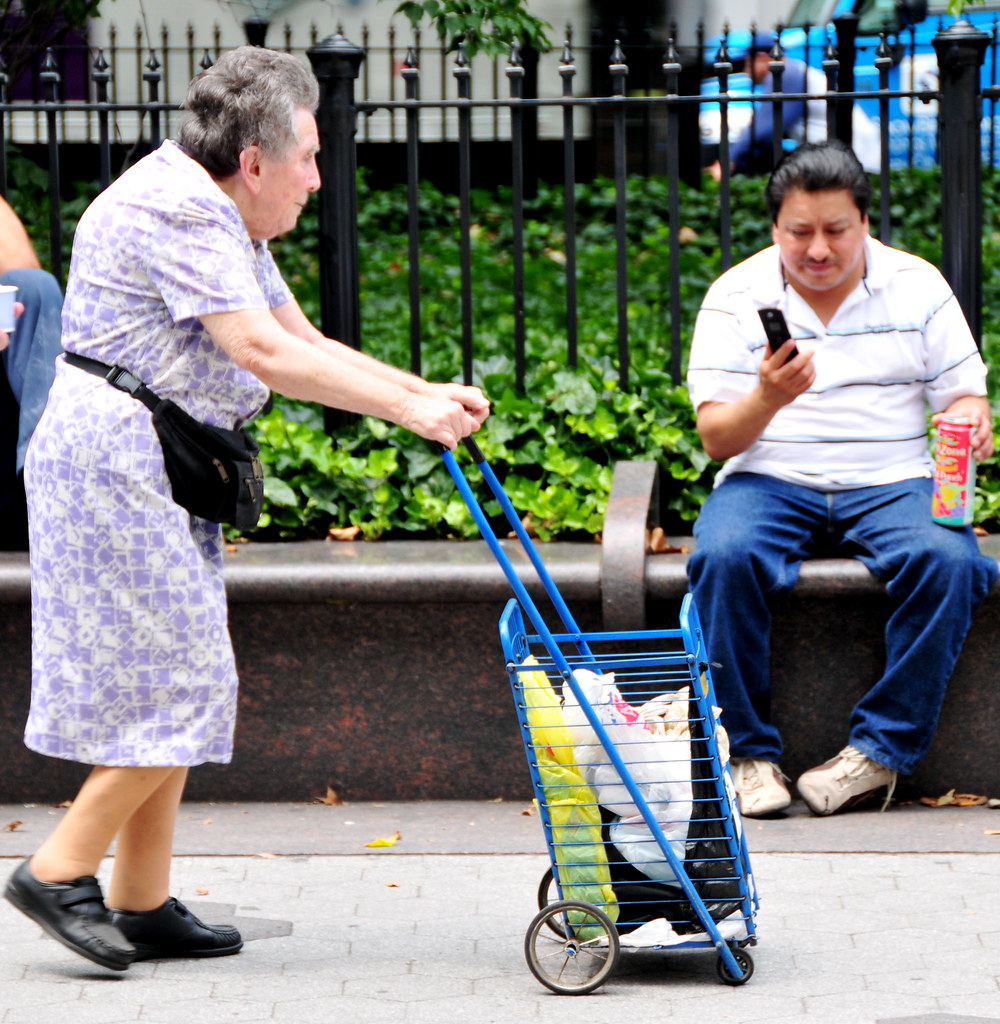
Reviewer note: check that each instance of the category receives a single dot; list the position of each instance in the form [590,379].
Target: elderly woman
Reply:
[132,664]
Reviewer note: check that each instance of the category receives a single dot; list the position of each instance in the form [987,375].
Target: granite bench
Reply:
[374,670]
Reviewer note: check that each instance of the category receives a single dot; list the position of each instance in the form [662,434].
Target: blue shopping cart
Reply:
[630,772]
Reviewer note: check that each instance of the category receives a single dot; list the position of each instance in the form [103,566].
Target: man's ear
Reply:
[250,169]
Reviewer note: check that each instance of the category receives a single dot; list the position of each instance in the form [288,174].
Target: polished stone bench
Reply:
[374,670]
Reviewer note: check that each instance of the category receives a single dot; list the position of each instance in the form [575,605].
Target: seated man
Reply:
[830,446]
[28,363]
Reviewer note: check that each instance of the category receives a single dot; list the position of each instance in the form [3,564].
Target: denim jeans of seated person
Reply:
[752,535]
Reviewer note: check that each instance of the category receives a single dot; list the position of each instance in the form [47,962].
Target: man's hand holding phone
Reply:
[783,384]
[776,330]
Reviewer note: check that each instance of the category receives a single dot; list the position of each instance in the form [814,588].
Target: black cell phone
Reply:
[776,330]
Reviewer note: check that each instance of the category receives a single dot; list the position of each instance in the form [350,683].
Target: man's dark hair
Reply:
[818,167]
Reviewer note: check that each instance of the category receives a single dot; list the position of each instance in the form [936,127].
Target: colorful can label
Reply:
[954,473]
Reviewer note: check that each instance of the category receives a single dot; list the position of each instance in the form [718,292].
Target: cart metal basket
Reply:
[629,767]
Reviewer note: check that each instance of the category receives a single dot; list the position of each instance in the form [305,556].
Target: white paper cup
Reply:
[8,293]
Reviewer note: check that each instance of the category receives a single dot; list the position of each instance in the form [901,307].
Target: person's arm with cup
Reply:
[16,251]
[18,309]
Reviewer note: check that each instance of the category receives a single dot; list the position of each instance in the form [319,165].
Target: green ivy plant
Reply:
[555,444]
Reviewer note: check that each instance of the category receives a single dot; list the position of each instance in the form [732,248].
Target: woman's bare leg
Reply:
[107,800]
[140,879]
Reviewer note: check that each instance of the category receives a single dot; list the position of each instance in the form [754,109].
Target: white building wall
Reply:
[319,19]
[738,13]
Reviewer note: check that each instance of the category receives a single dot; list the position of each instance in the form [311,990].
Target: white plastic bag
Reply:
[656,754]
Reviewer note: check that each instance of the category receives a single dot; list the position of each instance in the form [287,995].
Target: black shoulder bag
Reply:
[214,473]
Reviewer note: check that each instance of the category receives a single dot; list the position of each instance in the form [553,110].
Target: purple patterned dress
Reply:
[132,663]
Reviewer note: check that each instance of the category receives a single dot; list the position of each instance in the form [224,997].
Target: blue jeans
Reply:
[29,360]
[28,367]
[753,534]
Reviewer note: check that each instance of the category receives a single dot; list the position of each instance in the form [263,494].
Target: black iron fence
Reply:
[960,100]
[634,127]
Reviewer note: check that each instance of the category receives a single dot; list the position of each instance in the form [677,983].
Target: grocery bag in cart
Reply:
[629,766]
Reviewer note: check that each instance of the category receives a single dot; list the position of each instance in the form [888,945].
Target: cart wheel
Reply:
[584,956]
[548,893]
[745,962]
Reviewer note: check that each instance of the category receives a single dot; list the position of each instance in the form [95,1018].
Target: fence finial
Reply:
[101,75]
[461,61]
[778,51]
[722,60]
[671,61]
[830,52]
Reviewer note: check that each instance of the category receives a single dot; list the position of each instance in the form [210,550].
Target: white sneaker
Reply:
[843,781]
[760,786]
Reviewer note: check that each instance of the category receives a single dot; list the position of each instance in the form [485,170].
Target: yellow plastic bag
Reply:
[580,855]
[551,739]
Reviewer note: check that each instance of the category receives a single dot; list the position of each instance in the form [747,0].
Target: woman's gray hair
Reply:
[248,97]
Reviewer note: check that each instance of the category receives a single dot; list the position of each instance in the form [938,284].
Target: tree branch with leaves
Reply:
[487,26]
[28,27]
[957,7]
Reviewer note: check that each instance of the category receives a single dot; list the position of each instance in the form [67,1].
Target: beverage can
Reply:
[8,293]
[954,473]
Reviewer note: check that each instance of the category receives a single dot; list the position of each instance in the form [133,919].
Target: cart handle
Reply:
[510,513]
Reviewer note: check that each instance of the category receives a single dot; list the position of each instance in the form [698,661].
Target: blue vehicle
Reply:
[909,28]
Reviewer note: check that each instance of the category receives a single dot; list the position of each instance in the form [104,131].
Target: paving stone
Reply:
[392,937]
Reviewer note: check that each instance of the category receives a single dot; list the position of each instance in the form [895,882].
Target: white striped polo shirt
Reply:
[898,345]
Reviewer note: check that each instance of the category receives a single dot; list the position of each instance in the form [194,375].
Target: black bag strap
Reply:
[117,377]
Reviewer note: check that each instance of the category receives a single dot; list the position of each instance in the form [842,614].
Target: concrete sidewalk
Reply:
[865,918]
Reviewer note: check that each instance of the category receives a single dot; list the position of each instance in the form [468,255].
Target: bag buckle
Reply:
[119,377]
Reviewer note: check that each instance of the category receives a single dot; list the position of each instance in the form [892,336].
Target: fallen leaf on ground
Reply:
[938,801]
[390,841]
[392,885]
[207,821]
[202,892]
[659,545]
[992,832]
[953,799]
[331,799]
[344,532]
[12,826]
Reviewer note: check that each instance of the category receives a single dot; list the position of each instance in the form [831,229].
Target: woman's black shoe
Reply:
[173,931]
[74,913]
